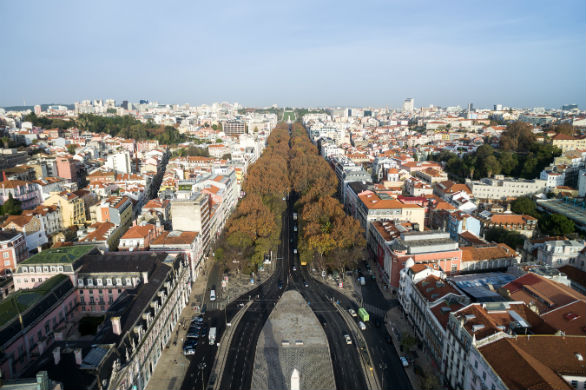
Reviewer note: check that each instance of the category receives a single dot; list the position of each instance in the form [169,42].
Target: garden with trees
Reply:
[117,126]
[518,155]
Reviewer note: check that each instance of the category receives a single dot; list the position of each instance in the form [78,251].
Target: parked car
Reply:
[404,361]
[305,284]
[348,339]
[361,325]
[352,312]
[280,284]
[213,295]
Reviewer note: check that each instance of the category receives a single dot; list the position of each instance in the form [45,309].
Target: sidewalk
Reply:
[239,284]
[172,366]
[429,376]
[349,288]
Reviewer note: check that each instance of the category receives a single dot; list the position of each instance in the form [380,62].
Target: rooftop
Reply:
[60,255]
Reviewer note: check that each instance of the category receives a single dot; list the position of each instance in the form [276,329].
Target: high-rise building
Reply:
[498,107]
[38,110]
[568,107]
[409,105]
[234,127]
[470,107]
[124,104]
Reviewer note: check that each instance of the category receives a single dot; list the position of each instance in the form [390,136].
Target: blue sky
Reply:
[300,53]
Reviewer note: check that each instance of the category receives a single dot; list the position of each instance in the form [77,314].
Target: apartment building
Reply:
[505,188]
[26,192]
[558,253]
[33,329]
[13,251]
[380,207]
[193,215]
[234,127]
[115,209]
[30,226]
[139,237]
[71,206]
[50,217]
[567,142]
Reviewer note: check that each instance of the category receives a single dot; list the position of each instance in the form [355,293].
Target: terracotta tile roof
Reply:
[138,231]
[498,251]
[433,288]
[574,274]
[100,233]
[18,220]
[13,183]
[544,293]
[416,268]
[517,369]
[182,238]
[472,238]
[441,312]
[570,319]
[511,219]
[373,201]
[441,205]
[563,137]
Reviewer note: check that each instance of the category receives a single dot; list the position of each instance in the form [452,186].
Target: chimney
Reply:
[39,249]
[57,355]
[4,176]
[145,277]
[78,357]
[116,327]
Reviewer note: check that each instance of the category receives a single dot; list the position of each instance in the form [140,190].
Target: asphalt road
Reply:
[346,361]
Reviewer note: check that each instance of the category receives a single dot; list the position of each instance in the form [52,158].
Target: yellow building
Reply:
[567,142]
[71,206]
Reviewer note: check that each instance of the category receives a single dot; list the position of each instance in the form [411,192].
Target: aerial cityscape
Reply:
[388,195]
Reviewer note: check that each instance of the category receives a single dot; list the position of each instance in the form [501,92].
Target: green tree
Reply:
[508,161]
[219,140]
[11,206]
[524,205]
[518,137]
[556,224]
[227,156]
[71,149]
[509,237]
[564,128]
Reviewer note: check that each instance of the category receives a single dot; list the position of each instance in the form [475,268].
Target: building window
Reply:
[53,269]
[7,263]
[92,300]
[5,254]
[45,268]
[119,281]
[60,268]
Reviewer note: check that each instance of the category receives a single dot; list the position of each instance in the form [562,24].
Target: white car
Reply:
[361,325]
[352,312]
[213,295]
[295,251]
[348,339]
[404,361]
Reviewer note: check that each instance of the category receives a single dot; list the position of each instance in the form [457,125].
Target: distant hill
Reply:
[43,107]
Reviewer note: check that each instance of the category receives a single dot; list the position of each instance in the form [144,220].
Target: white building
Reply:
[119,162]
[500,187]
[559,253]
[409,105]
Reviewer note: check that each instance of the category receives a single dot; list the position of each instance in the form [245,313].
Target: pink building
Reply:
[38,322]
[67,168]
[26,192]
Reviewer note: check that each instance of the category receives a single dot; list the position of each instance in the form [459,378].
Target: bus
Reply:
[303,263]
[363,314]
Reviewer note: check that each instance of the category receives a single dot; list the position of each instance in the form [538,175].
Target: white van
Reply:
[213,295]
[361,325]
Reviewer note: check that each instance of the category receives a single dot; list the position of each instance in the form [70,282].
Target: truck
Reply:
[212,335]
[363,314]
[362,281]
[295,216]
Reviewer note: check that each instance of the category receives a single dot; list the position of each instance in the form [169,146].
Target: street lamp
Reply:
[383,367]
[201,367]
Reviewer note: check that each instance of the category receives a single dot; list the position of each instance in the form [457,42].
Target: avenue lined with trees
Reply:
[328,238]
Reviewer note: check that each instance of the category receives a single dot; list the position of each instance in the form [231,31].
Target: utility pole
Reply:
[201,366]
